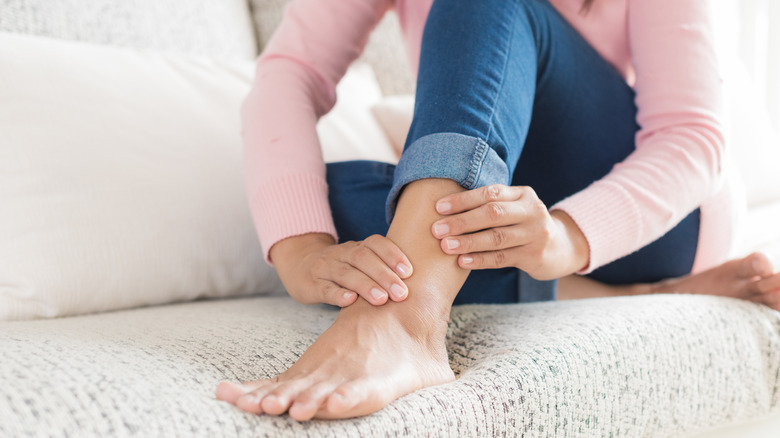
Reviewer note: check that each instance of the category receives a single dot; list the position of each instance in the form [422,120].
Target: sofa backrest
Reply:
[220,29]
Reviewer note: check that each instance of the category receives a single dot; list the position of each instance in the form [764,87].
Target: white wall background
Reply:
[751,30]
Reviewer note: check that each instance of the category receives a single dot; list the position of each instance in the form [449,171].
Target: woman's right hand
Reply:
[314,269]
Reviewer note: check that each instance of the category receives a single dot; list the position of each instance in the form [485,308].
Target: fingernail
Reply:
[377,294]
[348,295]
[453,244]
[441,229]
[403,270]
[397,291]
[443,207]
[467,260]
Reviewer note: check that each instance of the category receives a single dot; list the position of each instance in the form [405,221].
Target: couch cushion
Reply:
[217,29]
[649,366]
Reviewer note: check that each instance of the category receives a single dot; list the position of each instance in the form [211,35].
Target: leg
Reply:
[749,278]
[345,373]
[367,184]
[477,114]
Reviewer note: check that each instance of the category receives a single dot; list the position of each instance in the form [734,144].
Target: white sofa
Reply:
[657,366]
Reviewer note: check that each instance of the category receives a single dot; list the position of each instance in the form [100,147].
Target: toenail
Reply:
[377,294]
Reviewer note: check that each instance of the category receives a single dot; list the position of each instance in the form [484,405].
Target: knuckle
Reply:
[539,206]
[495,211]
[359,254]
[343,270]
[319,265]
[492,192]
[498,237]
[373,239]
[500,258]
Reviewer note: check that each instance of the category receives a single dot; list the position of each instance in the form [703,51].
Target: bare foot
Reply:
[372,355]
[750,278]
[365,360]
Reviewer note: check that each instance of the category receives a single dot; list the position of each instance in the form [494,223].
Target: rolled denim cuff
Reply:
[469,161]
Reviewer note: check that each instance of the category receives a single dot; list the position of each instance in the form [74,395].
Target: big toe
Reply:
[230,392]
[755,265]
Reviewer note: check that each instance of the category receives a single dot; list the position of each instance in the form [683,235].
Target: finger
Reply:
[491,239]
[487,260]
[364,259]
[348,277]
[336,295]
[471,199]
[490,215]
[391,254]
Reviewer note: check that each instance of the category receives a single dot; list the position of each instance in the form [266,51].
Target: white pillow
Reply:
[121,180]
[349,131]
[394,114]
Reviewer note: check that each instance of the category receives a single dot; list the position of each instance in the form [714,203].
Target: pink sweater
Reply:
[662,47]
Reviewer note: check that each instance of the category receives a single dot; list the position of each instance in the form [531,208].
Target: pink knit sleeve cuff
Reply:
[609,218]
[290,205]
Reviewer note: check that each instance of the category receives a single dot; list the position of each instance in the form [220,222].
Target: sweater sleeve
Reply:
[294,86]
[676,165]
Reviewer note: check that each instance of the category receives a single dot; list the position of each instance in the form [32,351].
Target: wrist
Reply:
[576,244]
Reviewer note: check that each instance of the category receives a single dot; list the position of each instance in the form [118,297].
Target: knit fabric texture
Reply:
[215,29]
[650,366]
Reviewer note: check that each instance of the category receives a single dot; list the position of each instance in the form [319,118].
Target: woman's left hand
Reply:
[500,226]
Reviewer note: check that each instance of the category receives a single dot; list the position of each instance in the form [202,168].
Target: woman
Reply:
[549,139]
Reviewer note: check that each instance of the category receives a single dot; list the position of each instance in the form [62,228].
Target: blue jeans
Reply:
[509,93]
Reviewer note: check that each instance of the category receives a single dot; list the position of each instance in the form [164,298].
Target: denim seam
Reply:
[475,165]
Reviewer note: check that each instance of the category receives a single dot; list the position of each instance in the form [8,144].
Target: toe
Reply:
[309,401]
[277,401]
[344,400]
[772,299]
[230,391]
[252,401]
[769,284]
[755,265]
